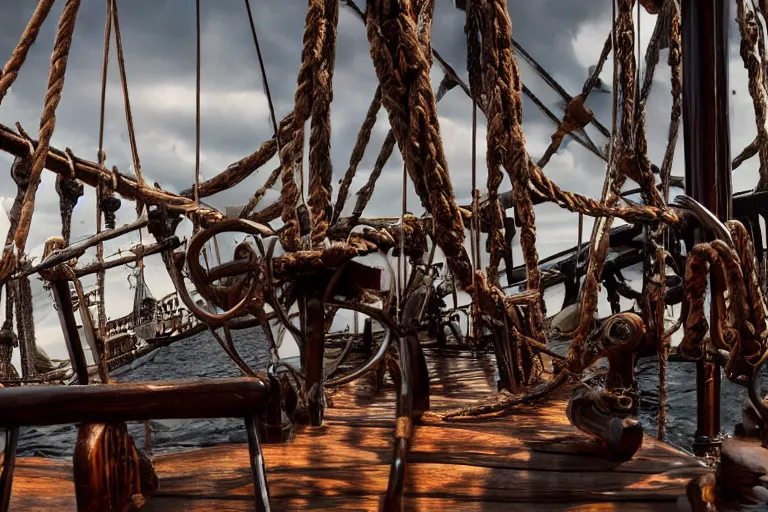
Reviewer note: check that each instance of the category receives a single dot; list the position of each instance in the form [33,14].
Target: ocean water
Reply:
[201,356]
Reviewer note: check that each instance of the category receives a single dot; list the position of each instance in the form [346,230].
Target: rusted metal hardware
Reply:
[609,414]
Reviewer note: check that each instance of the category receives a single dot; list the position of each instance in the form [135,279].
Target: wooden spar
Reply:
[133,401]
[63,299]
[76,250]
[707,162]
[146,250]
[89,173]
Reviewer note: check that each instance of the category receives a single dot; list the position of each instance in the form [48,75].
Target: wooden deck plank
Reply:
[367,503]
[320,446]
[529,458]
[427,479]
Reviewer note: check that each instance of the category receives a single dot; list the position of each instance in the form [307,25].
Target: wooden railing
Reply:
[108,479]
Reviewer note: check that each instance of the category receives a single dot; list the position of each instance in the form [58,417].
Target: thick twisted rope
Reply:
[286,132]
[577,115]
[320,166]
[127,101]
[240,170]
[745,248]
[363,137]
[675,62]
[291,155]
[259,195]
[476,64]
[670,15]
[639,169]
[402,66]
[366,191]
[624,76]
[237,171]
[101,312]
[506,147]
[19,55]
[506,141]
[752,63]
[47,119]
[703,257]
[579,203]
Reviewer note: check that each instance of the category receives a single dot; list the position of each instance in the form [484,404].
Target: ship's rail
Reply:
[107,406]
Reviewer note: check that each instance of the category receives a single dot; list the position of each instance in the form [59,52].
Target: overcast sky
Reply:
[565,36]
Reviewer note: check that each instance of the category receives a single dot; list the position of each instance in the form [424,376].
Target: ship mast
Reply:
[707,164]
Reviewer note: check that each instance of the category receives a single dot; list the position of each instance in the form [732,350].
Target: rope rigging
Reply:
[399,34]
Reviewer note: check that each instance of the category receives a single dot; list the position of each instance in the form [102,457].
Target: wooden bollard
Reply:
[608,414]
[275,426]
[109,472]
[621,435]
[742,475]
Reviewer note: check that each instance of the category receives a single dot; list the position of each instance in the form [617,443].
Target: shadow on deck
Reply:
[530,459]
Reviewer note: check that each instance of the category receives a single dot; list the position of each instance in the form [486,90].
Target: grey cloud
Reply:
[159,43]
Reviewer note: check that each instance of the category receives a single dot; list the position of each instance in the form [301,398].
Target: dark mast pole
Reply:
[707,163]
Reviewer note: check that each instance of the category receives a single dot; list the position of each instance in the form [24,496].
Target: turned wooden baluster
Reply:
[110,473]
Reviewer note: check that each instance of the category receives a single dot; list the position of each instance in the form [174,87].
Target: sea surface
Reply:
[200,356]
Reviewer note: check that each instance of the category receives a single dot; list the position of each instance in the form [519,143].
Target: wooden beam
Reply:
[90,174]
[139,401]
[147,250]
[63,299]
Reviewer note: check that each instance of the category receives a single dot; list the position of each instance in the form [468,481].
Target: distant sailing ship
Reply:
[137,337]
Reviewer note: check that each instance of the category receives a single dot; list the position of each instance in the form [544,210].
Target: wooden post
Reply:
[109,472]
[63,300]
[708,164]
[367,345]
[9,463]
[313,359]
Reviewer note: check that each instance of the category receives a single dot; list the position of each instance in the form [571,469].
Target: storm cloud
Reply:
[565,36]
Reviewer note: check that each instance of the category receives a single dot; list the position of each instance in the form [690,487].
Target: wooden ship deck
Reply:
[563,436]
[529,458]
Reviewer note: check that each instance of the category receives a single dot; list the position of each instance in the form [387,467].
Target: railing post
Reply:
[707,163]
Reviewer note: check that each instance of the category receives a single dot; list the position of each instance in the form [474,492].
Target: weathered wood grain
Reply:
[108,469]
[135,401]
[531,458]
